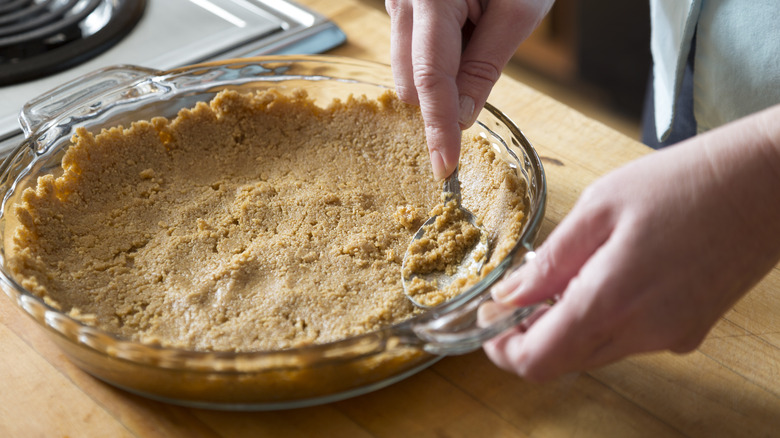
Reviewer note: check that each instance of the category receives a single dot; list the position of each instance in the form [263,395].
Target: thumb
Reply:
[557,260]
[502,26]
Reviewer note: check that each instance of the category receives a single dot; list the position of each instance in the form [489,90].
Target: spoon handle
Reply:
[452,185]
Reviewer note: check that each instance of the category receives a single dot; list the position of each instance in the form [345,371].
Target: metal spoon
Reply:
[471,263]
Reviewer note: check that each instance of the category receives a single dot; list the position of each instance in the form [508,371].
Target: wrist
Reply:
[769,126]
[745,160]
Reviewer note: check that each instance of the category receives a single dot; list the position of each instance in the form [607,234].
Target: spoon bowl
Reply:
[453,235]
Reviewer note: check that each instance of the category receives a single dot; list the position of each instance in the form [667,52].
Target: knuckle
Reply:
[591,194]
[406,94]
[480,71]
[428,77]
[533,373]
[533,11]
[546,263]
[676,336]
[601,211]
[393,6]
[687,343]
[684,347]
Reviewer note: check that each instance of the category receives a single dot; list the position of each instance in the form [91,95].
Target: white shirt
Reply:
[736,64]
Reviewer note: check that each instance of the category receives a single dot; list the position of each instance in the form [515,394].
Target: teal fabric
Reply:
[736,64]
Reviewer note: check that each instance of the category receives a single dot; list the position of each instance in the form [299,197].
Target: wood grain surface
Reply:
[730,386]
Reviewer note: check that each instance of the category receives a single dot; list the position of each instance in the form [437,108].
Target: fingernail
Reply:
[488,312]
[465,111]
[506,290]
[438,166]
[502,292]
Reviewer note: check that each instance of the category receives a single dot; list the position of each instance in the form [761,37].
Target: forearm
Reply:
[745,158]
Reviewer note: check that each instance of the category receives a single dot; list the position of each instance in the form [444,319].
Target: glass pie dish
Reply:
[252,380]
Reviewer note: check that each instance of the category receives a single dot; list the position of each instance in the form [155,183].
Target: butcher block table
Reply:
[730,386]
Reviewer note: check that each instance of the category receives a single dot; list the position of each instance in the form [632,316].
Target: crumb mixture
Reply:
[254,222]
[443,248]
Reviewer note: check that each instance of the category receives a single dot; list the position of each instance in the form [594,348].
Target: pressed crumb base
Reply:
[255,222]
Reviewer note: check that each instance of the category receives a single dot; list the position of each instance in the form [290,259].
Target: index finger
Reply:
[436,50]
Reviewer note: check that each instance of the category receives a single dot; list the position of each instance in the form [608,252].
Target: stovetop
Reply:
[172,33]
[43,37]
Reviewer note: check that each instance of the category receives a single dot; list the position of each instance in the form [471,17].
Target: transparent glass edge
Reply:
[446,343]
[182,79]
[433,333]
[440,338]
[37,112]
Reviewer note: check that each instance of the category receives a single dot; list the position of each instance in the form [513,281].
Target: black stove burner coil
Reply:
[37,40]
[13,5]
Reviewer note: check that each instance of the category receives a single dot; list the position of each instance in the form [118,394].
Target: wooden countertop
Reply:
[730,386]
